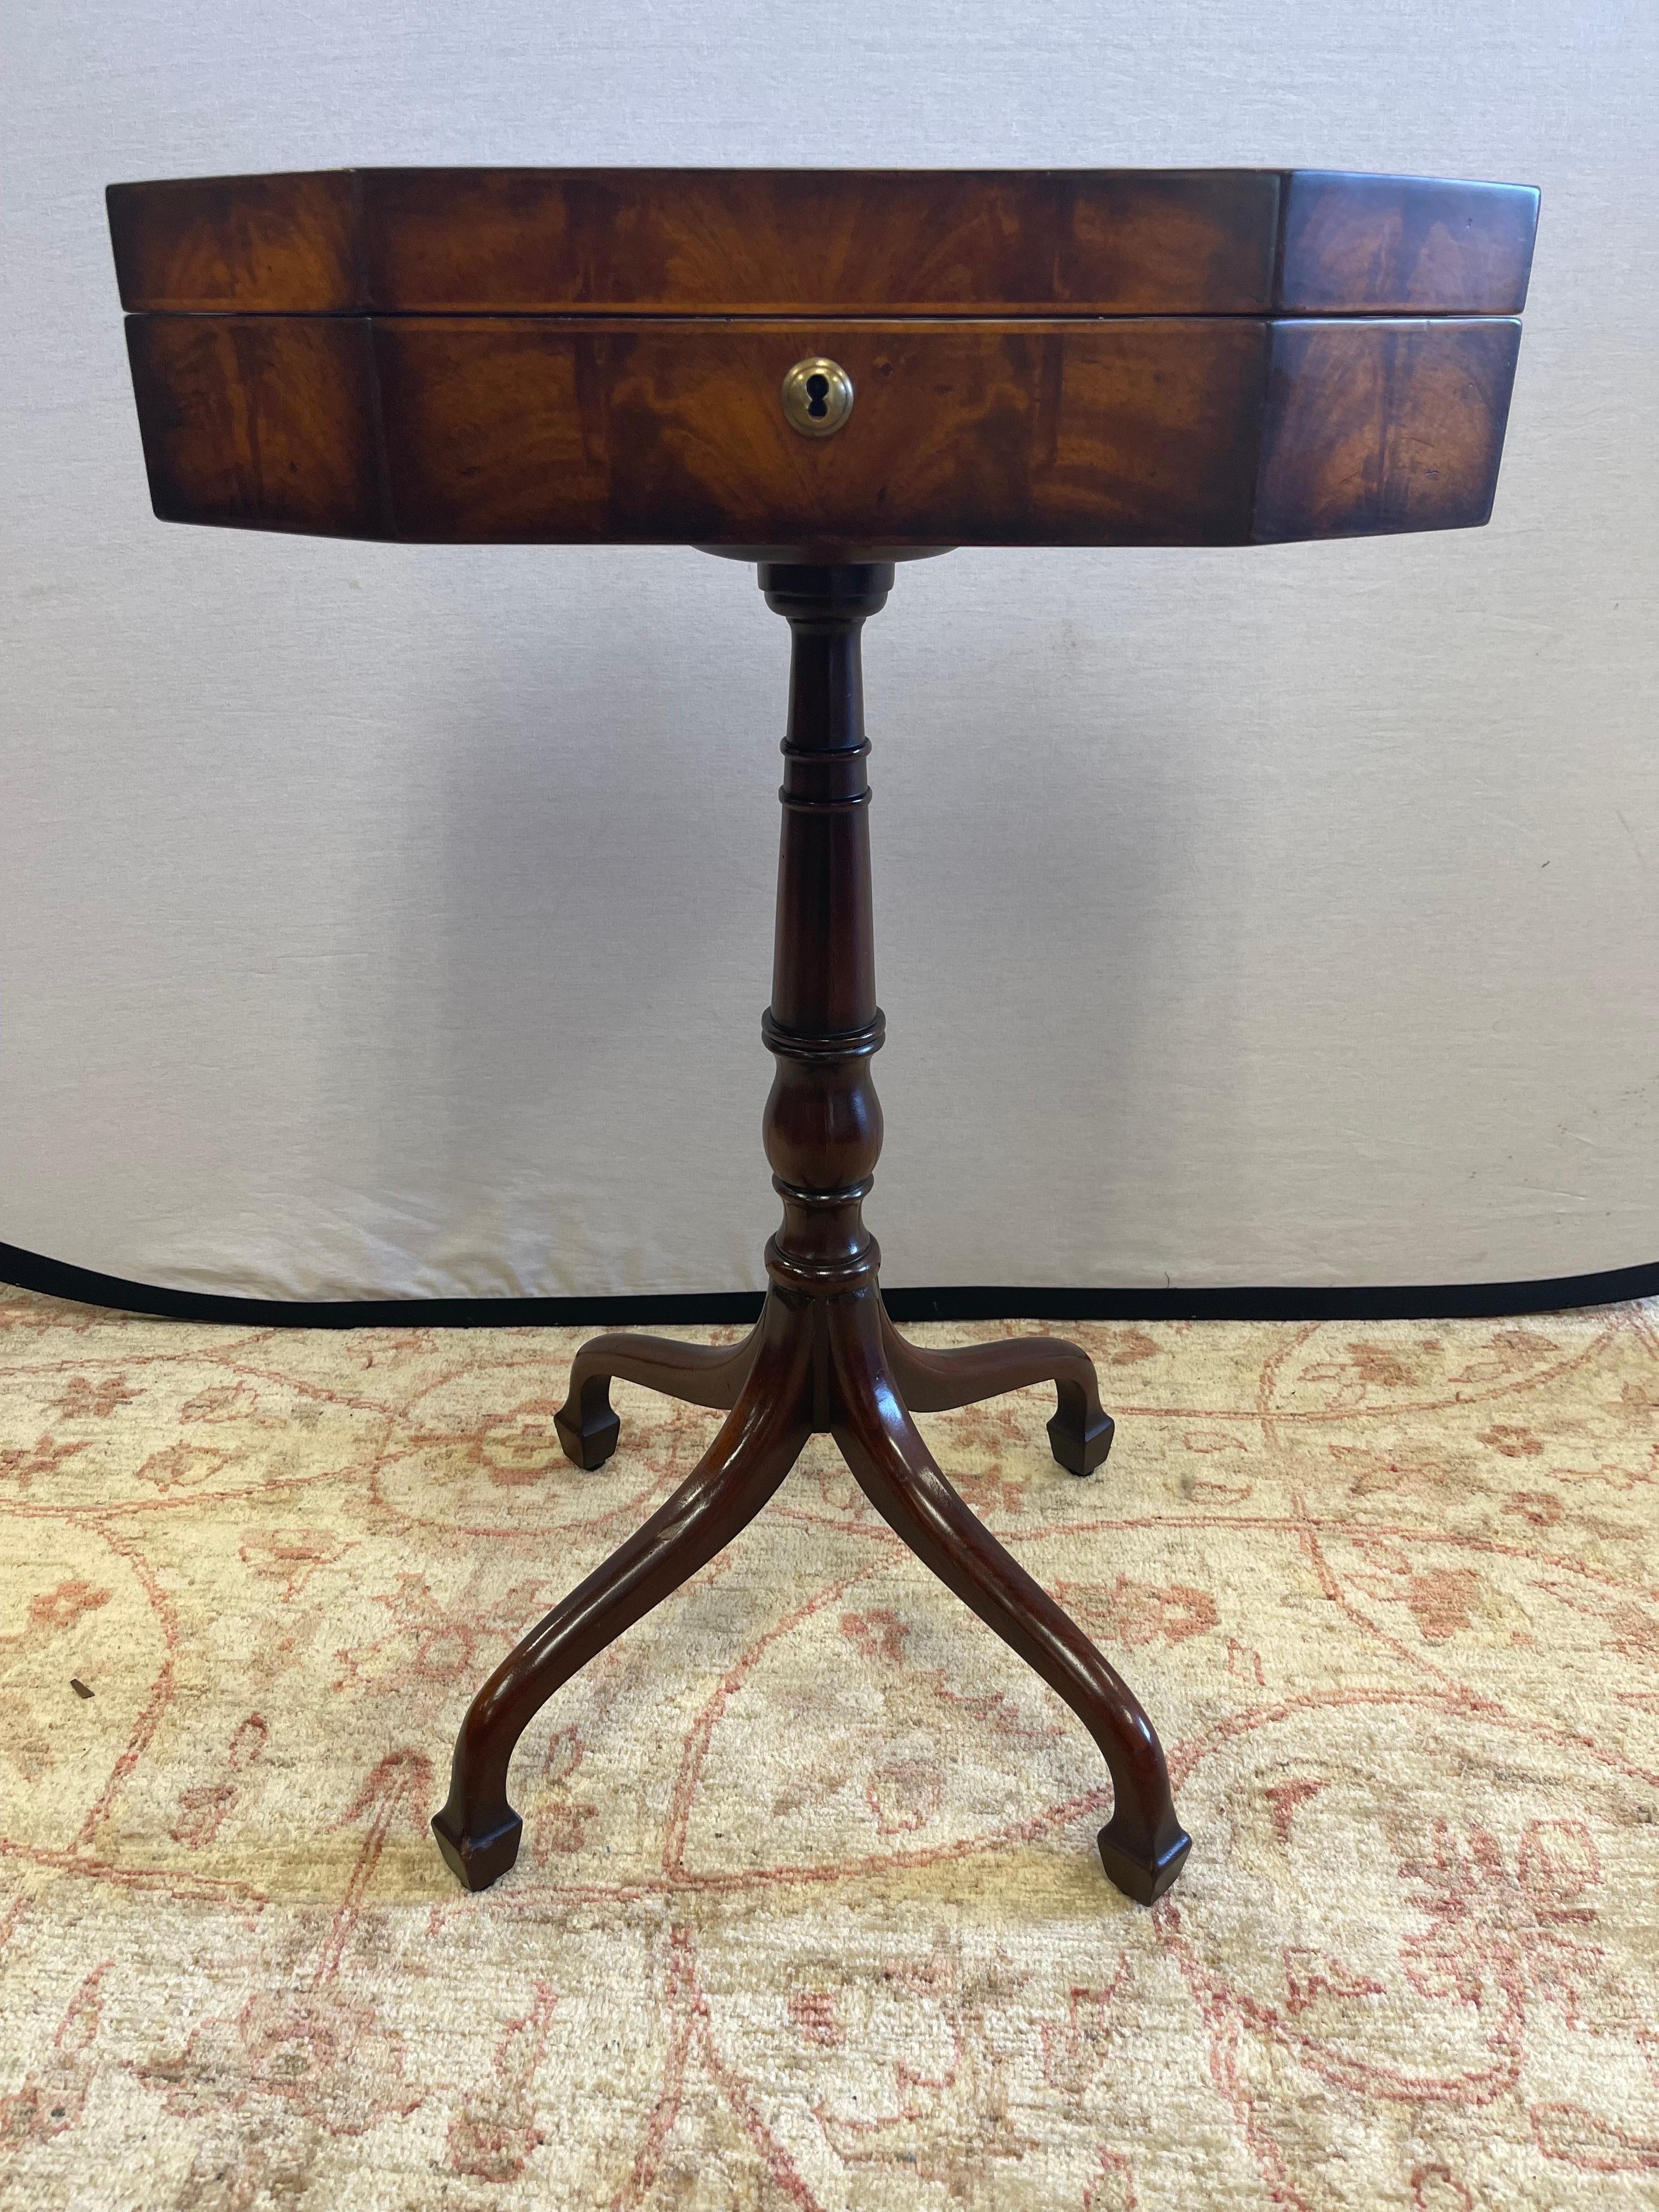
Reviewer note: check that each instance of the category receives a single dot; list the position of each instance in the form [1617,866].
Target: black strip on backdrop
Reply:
[30,1271]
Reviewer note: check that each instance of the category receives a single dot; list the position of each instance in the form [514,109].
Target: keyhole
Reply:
[817,396]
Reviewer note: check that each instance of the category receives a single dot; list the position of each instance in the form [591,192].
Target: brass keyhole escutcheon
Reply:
[817,396]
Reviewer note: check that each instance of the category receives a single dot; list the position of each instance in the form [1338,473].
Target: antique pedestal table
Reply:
[824,373]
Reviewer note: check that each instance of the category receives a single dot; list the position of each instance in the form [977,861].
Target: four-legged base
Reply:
[823,1357]
[816,1364]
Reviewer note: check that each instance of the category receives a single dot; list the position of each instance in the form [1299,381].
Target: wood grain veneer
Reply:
[1157,430]
[1042,357]
[804,242]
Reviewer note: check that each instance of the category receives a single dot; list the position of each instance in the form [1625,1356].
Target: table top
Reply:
[1106,356]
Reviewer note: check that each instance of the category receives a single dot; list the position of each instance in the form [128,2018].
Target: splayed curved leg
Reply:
[477,1831]
[1143,1846]
[696,1374]
[1080,1433]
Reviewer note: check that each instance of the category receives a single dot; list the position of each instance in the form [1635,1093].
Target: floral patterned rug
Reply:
[808,1913]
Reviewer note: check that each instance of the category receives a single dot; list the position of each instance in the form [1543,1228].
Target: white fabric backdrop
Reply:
[382,920]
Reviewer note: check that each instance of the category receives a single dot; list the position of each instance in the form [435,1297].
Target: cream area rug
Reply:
[808,1913]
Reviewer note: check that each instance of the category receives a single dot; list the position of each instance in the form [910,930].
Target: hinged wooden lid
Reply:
[1041,242]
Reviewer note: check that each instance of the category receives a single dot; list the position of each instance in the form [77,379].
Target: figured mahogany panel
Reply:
[260,423]
[658,242]
[1122,431]
[799,241]
[1125,432]
[274,244]
[1403,245]
[1373,427]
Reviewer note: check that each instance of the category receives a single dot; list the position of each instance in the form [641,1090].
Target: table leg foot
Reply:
[1142,1875]
[1079,1442]
[1080,1433]
[696,1374]
[482,1853]
[588,1431]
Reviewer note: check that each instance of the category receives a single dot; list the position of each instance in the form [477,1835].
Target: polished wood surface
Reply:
[1101,357]
[823,1356]
[1403,245]
[1372,427]
[815,241]
[1160,430]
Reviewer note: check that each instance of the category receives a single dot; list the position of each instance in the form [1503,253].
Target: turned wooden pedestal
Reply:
[823,1357]
[822,372]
